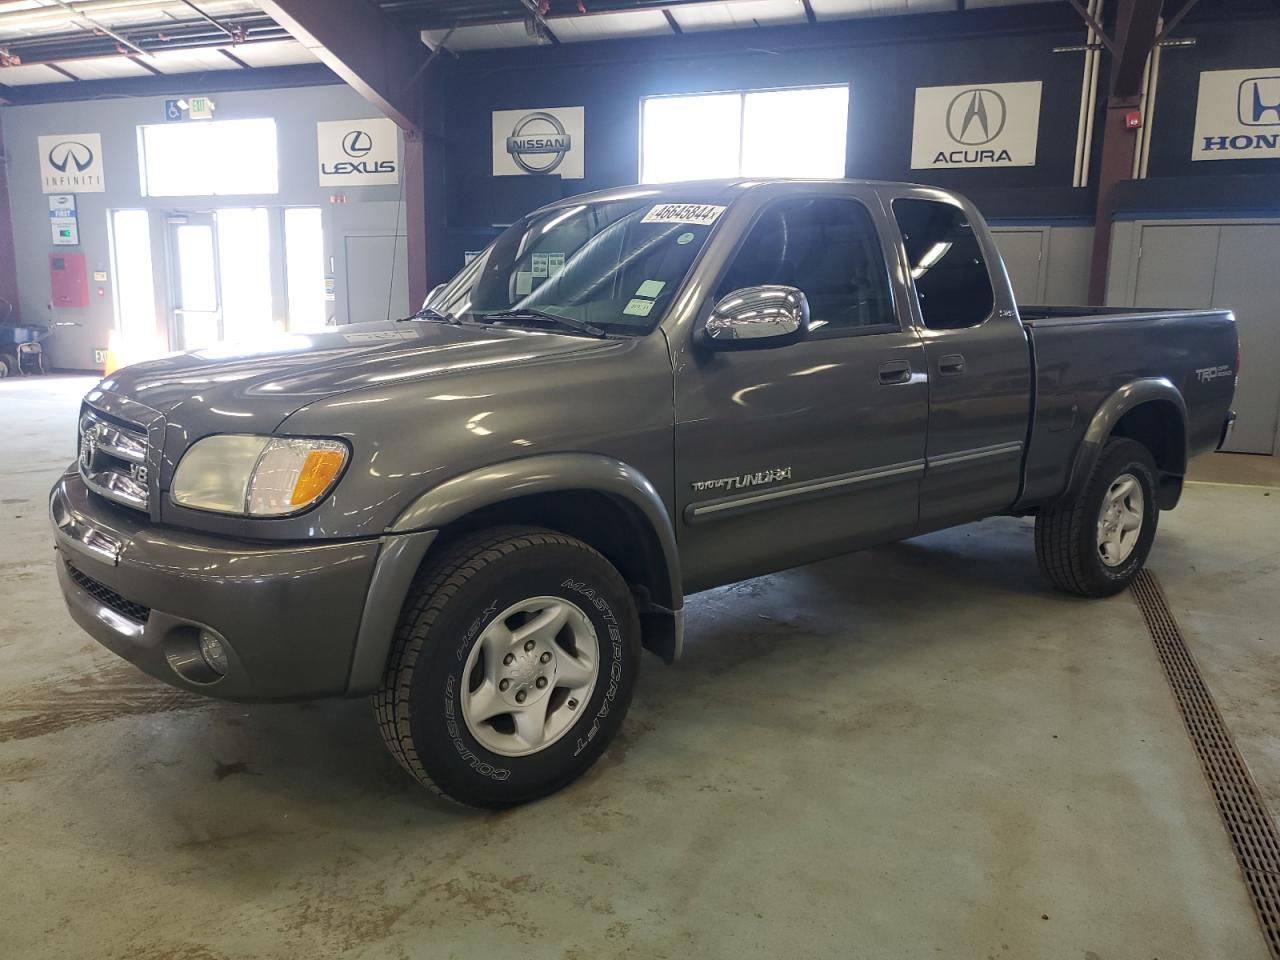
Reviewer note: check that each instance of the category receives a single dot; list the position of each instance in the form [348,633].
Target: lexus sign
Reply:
[976,125]
[355,153]
[71,163]
[539,141]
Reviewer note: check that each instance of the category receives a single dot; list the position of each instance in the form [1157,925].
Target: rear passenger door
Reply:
[978,359]
[791,453]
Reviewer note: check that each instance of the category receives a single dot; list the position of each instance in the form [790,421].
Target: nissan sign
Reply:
[538,141]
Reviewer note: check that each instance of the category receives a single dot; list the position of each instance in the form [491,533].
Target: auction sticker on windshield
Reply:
[699,213]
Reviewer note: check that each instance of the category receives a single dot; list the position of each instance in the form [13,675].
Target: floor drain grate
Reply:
[1245,815]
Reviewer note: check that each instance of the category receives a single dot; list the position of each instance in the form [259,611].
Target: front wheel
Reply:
[514,663]
[1095,544]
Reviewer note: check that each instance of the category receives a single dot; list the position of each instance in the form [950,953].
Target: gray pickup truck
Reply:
[481,514]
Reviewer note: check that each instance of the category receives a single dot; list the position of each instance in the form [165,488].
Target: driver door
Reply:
[788,454]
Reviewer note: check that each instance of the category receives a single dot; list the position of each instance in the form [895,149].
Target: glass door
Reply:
[197,303]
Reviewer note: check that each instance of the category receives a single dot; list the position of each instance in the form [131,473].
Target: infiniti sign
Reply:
[71,163]
[70,152]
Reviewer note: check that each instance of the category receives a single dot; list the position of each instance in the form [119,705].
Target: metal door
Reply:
[1243,284]
[196,281]
[1023,252]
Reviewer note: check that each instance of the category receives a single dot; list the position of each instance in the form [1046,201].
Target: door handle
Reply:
[951,365]
[895,371]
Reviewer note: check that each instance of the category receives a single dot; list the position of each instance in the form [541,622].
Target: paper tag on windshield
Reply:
[524,283]
[638,308]
[703,214]
[539,264]
[650,288]
[555,263]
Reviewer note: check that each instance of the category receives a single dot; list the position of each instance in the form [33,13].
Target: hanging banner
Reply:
[71,163]
[1238,115]
[534,142]
[976,125]
[356,153]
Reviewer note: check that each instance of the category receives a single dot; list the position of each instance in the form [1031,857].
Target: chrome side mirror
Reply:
[434,290]
[755,317]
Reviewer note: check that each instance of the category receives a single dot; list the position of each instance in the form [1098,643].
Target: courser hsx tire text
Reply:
[566,597]
[1070,535]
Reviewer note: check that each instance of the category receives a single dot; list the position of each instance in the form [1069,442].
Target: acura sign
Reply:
[356,153]
[1237,115]
[978,125]
[538,141]
[71,163]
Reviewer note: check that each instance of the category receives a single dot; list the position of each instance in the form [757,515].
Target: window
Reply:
[135,284]
[765,133]
[599,262]
[827,248]
[209,158]
[304,268]
[950,274]
[244,269]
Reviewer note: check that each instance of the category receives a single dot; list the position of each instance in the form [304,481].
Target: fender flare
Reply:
[1108,414]
[548,473]
[407,540]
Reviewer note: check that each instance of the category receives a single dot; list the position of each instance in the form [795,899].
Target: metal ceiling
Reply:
[50,40]
[44,41]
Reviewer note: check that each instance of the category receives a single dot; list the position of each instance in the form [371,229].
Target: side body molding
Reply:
[1108,414]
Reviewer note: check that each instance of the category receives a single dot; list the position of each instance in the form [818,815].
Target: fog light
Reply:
[214,653]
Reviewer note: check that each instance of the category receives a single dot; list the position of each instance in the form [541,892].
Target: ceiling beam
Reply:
[375,55]
[1136,22]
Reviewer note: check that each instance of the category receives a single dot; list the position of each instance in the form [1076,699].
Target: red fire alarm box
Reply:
[68,280]
[1133,119]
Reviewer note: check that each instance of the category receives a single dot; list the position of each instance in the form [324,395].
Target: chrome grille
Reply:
[113,459]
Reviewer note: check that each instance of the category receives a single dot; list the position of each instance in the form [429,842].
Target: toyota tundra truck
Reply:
[481,514]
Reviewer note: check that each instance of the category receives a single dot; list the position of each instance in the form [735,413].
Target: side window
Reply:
[826,247]
[947,265]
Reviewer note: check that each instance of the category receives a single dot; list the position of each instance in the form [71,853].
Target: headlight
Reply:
[257,476]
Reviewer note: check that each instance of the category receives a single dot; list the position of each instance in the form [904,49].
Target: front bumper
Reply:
[289,615]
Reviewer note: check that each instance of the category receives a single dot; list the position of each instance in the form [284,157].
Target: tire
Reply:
[451,654]
[1074,538]
[8,365]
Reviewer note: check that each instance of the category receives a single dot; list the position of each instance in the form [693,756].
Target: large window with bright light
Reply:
[800,132]
[209,158]
[135,299]
[304,268]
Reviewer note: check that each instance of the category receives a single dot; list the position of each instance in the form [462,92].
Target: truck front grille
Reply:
[108,597]
[113,459]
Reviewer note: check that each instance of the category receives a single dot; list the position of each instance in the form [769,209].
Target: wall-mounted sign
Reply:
[358,152]
[1238,115]
[71,163]
[538,141]
[63,220]
[976,125]
[173,111]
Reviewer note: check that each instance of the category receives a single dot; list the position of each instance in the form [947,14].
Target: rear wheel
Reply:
[514,664]
[8,365]
[1095,544]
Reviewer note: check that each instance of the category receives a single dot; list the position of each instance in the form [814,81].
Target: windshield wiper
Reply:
[529,313]
[430,313]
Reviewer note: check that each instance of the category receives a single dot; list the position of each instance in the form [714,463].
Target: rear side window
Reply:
[829,249]
[947,265]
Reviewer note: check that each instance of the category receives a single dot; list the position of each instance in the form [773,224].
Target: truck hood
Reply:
[244,389]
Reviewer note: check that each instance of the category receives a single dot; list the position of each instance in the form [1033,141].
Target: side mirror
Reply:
[432,295]
[756,317]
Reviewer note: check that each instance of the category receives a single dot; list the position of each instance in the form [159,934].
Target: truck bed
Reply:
[1081,355]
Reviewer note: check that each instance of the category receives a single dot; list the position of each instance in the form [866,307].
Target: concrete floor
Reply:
[916,751]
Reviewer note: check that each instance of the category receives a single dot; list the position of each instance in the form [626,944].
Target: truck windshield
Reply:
[615,265]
